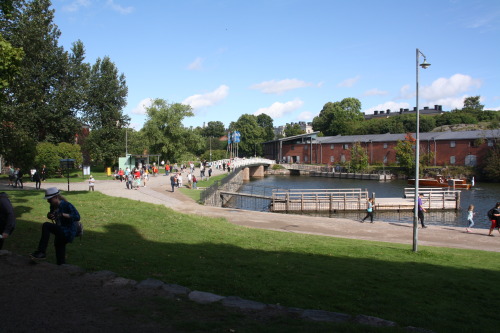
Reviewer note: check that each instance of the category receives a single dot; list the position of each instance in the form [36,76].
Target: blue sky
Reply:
[287,58]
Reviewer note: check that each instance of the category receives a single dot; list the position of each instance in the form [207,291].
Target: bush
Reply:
[49,154]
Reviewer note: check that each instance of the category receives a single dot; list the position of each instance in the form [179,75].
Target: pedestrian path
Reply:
[158,191]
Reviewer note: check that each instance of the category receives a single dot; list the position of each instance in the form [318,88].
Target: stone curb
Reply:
[111,279]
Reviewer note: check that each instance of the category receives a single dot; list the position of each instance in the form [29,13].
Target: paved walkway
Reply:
[158,191]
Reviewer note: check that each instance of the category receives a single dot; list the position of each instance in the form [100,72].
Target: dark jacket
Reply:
[68,225]
[7,216]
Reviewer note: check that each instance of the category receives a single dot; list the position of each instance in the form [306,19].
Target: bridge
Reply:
[252,167]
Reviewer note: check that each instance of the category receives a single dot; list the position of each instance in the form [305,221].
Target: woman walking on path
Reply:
[470,216]
[369,211]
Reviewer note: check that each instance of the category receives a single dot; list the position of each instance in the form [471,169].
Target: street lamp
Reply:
[424,65]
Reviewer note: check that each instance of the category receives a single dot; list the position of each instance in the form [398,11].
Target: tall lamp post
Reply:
[424,65]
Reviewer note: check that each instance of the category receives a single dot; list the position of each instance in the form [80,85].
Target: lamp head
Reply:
[425,64]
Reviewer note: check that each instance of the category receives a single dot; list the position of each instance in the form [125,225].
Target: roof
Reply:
[437,136]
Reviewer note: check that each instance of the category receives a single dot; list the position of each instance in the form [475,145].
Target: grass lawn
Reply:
[195,194]
[445,290]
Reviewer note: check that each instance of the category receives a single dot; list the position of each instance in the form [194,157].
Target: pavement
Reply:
[158,191]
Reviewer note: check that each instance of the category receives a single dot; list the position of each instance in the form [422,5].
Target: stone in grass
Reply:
[102,275]
[243,304]
[150,284]
[120,282]
[175,289]
[320,315]
[204,297]
[373,321]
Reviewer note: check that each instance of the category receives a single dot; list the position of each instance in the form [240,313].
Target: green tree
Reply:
[10,61]
[50,154]
[266,122]
[251,135]
[105,99]
[405,154]
[489,166]
[165,133]
[473,104]
[41,87]
[359,158]
[214,129]
[17,145]
[339,117]
[293,129]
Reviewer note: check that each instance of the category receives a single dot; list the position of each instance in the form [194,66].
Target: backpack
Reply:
[490,214]
[79,229]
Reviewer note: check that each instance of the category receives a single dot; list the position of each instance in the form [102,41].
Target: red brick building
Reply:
[464,148]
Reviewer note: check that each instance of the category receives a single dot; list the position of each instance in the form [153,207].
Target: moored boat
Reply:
[442,182]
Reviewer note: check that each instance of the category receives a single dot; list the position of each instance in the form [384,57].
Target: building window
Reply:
[385,159]
[292,148]
[470,160]
[452,159]
[472,143]
[306,147]
[331,146]
[332,159]
[490,143]
[452,144]
[305,158]
[385,145]
[342,158]
[345,146]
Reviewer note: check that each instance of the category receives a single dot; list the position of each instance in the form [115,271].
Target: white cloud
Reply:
[76,5]
[278,87]
[142,105]
[393,106]
[405,92]
[349,82]
[449,103]
[305,116]
[375,92]
[444,88]
[278,110]
[208,99]
[118,8]
[196,65]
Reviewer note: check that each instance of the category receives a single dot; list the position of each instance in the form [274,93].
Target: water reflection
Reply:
[483,196]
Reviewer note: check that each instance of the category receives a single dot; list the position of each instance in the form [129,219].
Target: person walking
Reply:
[494,218]
[421,210]
[195,181]
[470,218]
[369,211]
[64,226]
[37,179]
[19,178]
[7,218]
[179,180]
[91,183]
[173,181]
[44,173]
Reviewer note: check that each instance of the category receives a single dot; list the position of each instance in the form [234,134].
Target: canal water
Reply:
[483,196]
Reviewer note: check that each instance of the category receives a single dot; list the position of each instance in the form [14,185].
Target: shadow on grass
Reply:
[407,289]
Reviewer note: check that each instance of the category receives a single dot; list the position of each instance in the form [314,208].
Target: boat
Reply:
[442,182]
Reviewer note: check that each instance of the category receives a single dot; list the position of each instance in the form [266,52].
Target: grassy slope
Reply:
[436,288]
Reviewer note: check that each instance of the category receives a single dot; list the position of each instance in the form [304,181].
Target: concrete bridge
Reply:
[252,167]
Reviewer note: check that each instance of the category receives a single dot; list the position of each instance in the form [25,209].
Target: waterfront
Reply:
[483,196]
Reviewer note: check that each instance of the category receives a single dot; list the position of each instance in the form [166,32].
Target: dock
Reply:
[356,200]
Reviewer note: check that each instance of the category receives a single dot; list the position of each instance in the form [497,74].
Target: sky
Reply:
[288,58]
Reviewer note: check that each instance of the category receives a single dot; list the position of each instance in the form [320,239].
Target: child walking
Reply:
[91,183]
[470,216]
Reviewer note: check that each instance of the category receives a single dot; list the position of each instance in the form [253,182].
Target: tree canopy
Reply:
[165,133]
[339,117]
